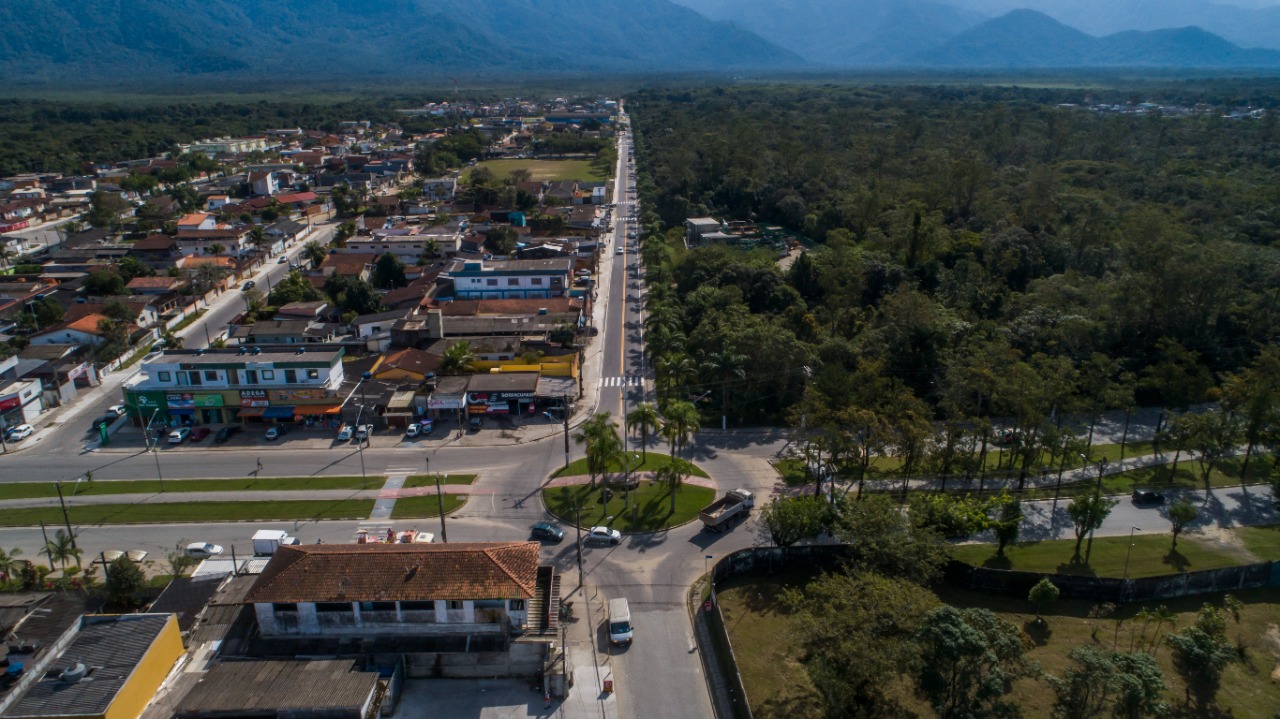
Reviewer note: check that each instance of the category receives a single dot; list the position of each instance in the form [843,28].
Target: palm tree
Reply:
[314,252]
[674,369]
[62,548]
[457,359]
[602,442]
[673,474]
[258,236]
[682,422]
[645,419]
[729,365]
[10,564]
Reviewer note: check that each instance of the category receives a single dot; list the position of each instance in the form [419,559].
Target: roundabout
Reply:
[646,506]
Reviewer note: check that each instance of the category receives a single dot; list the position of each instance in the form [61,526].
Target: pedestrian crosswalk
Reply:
[621,382]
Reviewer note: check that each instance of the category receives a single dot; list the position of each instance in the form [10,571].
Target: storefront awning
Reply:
[252,411]
[307,410]
[401,400]
[278,413]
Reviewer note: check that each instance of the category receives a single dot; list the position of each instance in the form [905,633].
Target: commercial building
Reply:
[109,668]
[500,279]
[215,387]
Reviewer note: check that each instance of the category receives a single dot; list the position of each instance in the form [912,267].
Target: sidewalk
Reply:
[335,495]
[589,664]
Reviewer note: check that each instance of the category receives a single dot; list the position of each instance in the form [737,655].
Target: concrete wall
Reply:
[520,660]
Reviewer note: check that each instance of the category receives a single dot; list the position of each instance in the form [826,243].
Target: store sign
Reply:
[8,404]
[180,401]
[296,395]
[445,402]
[143,400]
[254,398]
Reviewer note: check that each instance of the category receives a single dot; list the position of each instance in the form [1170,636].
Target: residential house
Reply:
[198,221]
[497,279]
[406,365]
[233,241]
[263,184]
[297,200]
[285,332]
[348,265]
[158,285]
[562,191]
[83,330]
[62,370]
[157,251]
[21,401]
[303,310]
[213,203]
[441,189]
[419,598]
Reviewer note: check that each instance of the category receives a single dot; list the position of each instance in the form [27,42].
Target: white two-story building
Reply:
[510,279]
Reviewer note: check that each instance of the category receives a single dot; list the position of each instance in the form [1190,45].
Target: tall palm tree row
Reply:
[644,419]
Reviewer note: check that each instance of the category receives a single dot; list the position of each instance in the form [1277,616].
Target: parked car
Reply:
[19,433]
[345,432]
[203,550]
[277,432]
[620,251]
[603,535]
[546,531]
[225,433]
[1146,496]
[179,435]
[116,411]
[248,286]
[412,430]
[99,421]
[200,433]
[363,432]
[476,424]
[282,260]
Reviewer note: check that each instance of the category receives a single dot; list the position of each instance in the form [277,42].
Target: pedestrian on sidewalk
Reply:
[259,470]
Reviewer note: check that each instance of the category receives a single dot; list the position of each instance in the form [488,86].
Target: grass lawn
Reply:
[184,512]
[652,463]
[1151,556]
[779,686]
[29,490]
[426,506]
[429,480]
[651,506]
[1263,542]
[542,170]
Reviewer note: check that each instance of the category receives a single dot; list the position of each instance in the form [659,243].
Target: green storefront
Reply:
[177,408]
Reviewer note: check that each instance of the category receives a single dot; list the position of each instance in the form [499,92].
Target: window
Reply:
[516,605]
[194,378]
[313,374]
[491,283]
[251,376]
[417,606]
[164,376]
[513,281]
[210,376]
[332,607]
[377,606]
[290,376]
[535,280]
[268,374]
[455,604]
[289,607]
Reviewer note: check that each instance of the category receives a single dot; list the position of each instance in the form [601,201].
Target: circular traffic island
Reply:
[646,507]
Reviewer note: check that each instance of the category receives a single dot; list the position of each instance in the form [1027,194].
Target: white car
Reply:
[602,535]
[344,434]
[179,435]
[116,411]
[363,432]
[19,433]
[203,550]
[620,251]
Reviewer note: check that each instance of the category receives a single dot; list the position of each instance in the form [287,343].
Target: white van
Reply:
[619,621]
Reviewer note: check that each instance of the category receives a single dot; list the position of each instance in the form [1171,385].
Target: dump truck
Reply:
[722,513]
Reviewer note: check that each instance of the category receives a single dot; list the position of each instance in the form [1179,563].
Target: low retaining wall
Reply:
[1109,589]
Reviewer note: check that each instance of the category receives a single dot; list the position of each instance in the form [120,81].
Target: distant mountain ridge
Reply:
[1030,39]
[104,41]
[1139,33]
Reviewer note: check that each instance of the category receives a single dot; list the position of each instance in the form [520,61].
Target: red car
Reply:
[199,433]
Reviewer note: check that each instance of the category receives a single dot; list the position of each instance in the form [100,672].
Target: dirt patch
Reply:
[1225,540]
[1272,639]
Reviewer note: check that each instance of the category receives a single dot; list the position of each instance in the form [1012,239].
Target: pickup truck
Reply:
[722,513]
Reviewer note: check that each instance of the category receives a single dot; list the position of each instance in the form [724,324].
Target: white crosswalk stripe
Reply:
[621,382]
[404,470]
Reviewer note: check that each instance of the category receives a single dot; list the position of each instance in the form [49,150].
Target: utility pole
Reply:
[66,518]
[444,533]
[47,549]
[577,521]
[565,411]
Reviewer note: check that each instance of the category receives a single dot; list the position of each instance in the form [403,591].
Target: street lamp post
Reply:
[444,532]
[155,448]
[1129,553]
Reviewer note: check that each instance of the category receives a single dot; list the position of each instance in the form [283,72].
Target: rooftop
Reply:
[398,572]
[503,382]
[278,687]
[109,647]
[311,356]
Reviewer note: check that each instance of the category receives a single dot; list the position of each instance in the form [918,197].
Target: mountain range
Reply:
[140,42]
[123,41]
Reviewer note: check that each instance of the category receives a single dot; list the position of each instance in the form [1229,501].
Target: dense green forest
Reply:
[51,136]
[978,252]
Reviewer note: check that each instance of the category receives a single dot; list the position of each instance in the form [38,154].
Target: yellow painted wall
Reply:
[141,686]
[548,369]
